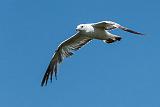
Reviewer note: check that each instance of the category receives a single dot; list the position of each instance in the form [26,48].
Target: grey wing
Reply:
[109,25]
[65,49]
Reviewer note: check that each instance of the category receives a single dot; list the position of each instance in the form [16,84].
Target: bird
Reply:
[85,33]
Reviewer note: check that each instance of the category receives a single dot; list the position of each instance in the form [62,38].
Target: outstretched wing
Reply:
[109,25]
[64,50]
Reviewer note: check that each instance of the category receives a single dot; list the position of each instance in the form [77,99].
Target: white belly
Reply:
[100,34]
[96,33]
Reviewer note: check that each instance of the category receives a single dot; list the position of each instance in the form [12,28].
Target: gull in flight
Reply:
[85,33]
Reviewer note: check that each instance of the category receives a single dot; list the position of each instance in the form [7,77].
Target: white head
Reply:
[85,28]
[81,27]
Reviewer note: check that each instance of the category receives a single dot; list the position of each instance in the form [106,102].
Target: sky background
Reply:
[122,74]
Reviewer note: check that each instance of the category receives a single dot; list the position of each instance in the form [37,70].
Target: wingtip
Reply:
[129,30]
[138,33]
[142,34]
[45,79]
[42,83]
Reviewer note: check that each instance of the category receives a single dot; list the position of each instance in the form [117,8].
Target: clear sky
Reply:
[122,74]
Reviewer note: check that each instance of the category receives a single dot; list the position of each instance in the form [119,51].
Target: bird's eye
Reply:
[81,26]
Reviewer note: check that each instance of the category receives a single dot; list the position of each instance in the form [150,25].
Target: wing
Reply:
[109,25]
[65,49]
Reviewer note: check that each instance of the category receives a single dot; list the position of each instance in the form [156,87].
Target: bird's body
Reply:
[93,32]
[85,33]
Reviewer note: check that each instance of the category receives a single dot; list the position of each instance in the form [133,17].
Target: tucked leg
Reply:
[112,39]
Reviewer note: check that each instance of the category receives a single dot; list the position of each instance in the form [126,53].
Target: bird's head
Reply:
[81,27]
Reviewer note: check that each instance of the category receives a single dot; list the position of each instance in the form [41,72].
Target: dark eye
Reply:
[81,26]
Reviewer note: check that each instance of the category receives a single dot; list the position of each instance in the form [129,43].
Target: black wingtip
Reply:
[49,73]
[129,30]
[43,82]
[45,78]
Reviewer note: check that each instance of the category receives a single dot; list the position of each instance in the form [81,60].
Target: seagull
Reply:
[84,34]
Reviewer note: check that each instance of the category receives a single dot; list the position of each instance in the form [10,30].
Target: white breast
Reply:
[99,34]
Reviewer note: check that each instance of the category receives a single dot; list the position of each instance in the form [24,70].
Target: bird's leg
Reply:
[112,39]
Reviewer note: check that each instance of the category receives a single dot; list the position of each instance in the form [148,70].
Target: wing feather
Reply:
[65,49]
[109,25]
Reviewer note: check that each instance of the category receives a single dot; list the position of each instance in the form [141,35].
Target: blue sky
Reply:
[122,74]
